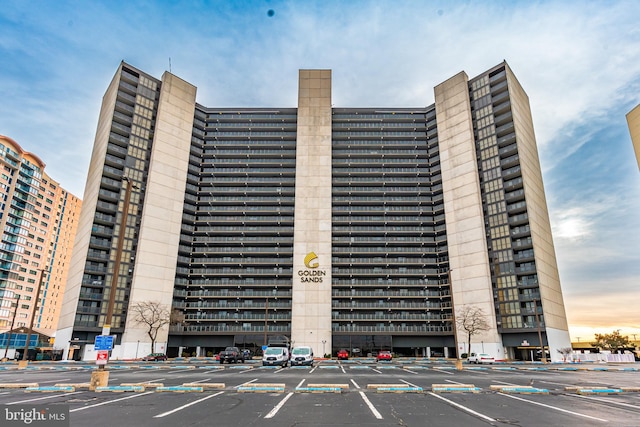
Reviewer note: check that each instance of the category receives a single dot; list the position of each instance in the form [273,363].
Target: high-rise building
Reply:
[633,120]
[38,220]
[357,228]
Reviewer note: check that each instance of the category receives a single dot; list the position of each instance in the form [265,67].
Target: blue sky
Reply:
[579,62]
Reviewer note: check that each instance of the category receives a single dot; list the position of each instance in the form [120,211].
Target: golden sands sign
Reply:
[312,275]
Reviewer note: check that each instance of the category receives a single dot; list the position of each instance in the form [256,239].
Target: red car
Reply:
[343,355]
[384,355]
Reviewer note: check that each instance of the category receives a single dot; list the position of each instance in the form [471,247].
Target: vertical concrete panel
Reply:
[466,236]
[311,295]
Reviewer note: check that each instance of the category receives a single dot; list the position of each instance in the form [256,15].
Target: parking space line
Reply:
[410,371]
[454,382]
[342,367]
[554,407]
[375,370]
[54,381]
[275,410]
[355,383]
[607,401]
[503,382]
[440,370]
[464,408]
[300,383]
[200,381]
[370,405]
[180,408]
[43,398]
[133,396]
[248,382]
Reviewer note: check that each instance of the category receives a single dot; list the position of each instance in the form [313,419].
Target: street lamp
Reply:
[323,351]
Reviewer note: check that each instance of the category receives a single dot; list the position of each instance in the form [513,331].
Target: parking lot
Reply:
[353,392]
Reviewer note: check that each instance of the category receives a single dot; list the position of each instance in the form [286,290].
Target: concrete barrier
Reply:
[49,389]
[146,385]
[376,386]
[120,389]
[454,388]
[205,385]
[18,385]
[180,389]
[318,390]
[74,385]
[522,390]
[599,391]
[342,386]
[261,388]
[405,389]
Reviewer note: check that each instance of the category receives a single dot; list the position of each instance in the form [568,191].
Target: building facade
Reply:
[357,228]
[38,220]
[633,121]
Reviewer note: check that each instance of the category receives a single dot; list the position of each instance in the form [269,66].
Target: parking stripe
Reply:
[275,410]
[43,398]
[111,401]
[180,408]
[607,401]
[370,405]
[464,408]
[554,407]
[355,383]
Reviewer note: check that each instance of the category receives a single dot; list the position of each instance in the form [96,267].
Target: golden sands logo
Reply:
[311,256]
[311,276]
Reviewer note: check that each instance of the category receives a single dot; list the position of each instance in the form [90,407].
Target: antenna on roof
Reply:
[169,64]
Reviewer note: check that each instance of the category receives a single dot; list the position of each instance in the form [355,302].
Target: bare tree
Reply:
[472,320]
[153,315]
[565,351]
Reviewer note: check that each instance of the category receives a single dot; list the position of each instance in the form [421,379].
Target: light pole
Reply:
[6,350]
[33,317]
[543,355]
[323,351]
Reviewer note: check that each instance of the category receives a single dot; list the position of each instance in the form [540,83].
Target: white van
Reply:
[302,355]
[273,356]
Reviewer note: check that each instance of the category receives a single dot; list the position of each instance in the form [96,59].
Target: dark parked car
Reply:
[231,354]
[343,354]
[155,357]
